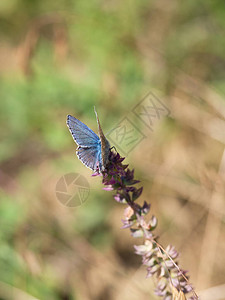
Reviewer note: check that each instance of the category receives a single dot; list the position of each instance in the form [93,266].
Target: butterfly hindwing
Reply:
[90,156]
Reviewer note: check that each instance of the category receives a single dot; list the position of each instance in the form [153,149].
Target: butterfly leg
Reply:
[113,147]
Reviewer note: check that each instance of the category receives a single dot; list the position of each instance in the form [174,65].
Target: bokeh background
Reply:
[67,56]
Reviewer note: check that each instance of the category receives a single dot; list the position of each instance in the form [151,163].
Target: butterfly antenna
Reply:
[96,114]
[97,117]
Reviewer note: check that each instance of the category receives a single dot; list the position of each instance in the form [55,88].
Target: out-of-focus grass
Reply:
[108,54]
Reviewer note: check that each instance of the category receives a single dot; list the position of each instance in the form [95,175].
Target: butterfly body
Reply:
[92,150]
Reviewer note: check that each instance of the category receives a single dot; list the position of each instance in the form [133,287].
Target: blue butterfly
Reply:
[93,151]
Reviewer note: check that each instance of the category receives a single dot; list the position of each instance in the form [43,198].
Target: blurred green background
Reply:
[65,57]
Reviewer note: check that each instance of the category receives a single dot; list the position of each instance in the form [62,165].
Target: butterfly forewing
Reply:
[82,135]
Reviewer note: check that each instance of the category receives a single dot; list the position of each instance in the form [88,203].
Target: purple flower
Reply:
[159,262]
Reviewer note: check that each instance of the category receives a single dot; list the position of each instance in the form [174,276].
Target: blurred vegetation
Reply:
[63,57]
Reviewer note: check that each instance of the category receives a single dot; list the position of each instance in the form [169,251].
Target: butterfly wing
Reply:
[90,157]
[81,134]
[89,145]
